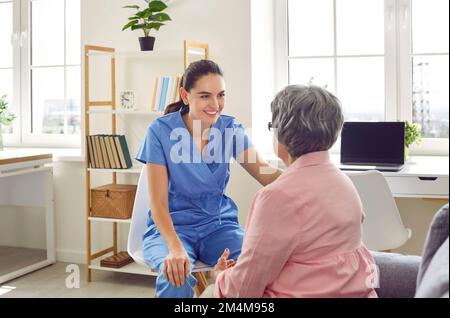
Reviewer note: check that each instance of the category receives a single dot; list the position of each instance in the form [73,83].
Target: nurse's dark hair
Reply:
[192,74]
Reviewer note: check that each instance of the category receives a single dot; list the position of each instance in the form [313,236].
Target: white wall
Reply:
[224,25]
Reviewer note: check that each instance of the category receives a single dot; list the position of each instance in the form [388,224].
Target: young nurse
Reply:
[187,154]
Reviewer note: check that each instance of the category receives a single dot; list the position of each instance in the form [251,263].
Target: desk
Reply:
[423,177]
[25,180]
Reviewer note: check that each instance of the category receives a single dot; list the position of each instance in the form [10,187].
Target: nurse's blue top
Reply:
[196,183]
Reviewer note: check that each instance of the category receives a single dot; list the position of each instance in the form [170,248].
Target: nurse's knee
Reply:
[166,289]
[189,281]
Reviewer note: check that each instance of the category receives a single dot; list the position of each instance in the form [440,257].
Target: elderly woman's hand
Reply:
[223,262]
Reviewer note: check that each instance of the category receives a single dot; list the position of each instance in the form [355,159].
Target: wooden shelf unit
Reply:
[98,107]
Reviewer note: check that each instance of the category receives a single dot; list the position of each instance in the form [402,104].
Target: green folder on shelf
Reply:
[123,152]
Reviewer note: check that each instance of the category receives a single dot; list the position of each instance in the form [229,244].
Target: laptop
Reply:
[373,146]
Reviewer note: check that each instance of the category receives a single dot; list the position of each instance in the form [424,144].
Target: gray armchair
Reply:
[404,276]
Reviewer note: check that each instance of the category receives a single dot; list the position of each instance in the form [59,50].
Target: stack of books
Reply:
[117,261]
[165,92]
[108,152]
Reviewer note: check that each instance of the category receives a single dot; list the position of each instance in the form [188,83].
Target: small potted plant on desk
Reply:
[412,135]
[152,17]
[6,118]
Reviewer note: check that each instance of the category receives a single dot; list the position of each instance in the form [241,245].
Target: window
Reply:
[6,55]
[41,71]
[384,59]
[429,58]
[348,60]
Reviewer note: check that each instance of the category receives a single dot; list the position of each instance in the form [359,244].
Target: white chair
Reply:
[139,225]
[383,229]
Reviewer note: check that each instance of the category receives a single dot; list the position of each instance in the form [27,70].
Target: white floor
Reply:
[51,282]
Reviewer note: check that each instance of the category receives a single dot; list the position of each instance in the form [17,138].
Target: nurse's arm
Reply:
[257,167]
[159,198]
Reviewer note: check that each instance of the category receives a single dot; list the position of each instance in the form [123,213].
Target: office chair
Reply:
[139,225]
[383,229]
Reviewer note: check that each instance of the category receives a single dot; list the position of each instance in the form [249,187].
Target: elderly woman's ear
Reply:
[282,152]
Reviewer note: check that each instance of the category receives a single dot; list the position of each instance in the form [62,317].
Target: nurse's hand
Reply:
[176,266]
[223,262]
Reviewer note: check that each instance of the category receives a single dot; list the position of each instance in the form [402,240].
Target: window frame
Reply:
[22,135]
[398,66]
[14,138]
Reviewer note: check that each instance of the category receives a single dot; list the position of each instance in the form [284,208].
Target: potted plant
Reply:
[412,135]
[152,17]
[6,118]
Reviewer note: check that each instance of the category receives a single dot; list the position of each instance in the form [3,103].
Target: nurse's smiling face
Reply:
[206,99]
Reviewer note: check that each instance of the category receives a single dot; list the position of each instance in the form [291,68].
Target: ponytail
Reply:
[175,107]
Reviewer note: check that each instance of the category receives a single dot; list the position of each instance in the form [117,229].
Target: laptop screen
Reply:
[373,143]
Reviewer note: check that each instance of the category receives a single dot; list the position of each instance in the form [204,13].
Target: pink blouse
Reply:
[303,238]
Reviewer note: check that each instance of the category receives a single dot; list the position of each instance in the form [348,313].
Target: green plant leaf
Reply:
[147,13]
[130,24]
[140,14]
[3,104]
[5,117]
[131,7]
[137,27]
[161,17]
[157,6]
[146,19]
[155,25]
[412,134]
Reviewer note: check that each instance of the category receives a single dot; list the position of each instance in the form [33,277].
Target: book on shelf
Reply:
[165,92]
[108,152]
[114,151]
[101,164]
[168,98]
[90,150]
[155,92]
[117,261]
[176,91]
[122,150]
[111,160]
[104,152]
[93,159]
[162,98]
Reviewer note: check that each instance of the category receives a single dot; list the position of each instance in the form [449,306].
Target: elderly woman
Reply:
[303,234]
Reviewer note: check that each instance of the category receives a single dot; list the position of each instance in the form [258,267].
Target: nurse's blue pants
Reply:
[203,242]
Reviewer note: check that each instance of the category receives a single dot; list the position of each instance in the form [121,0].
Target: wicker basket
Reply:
[113,201]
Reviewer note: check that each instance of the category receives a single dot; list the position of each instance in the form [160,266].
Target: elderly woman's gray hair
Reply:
[306,119]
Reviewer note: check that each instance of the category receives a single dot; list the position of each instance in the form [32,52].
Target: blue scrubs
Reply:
[204,217]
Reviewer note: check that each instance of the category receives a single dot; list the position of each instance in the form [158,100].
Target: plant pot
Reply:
[406,154]
[147,43]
